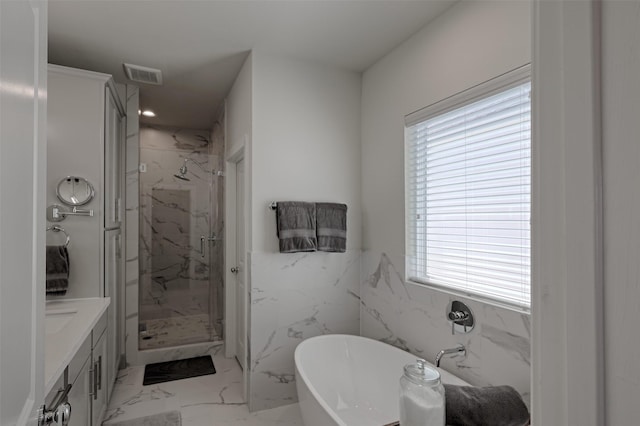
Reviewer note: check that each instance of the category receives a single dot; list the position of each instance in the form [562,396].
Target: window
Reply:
[469,191]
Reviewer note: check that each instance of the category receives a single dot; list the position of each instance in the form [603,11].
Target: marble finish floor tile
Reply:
[288,415]
[172,418]
[176,331]
[202,401]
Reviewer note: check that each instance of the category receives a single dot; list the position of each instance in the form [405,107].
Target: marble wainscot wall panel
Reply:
[294,297]
[413,317]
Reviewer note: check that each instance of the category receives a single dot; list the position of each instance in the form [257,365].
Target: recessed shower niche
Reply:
[181,287]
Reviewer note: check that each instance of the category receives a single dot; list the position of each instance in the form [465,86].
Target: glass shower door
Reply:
[179,288]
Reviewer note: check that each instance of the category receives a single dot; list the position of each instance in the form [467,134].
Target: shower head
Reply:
[183,172]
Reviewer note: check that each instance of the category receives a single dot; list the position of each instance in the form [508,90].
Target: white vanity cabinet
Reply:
[80,404]
[87,374]
[99,392]
[80,376]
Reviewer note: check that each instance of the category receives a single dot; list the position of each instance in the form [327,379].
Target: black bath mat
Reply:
[176,370]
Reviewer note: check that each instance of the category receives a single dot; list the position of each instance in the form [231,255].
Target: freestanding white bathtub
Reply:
[351,380]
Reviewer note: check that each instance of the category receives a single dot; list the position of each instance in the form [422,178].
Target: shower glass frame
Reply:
[177,305]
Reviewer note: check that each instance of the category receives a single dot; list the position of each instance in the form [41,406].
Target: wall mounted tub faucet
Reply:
[458,349]
[461,316]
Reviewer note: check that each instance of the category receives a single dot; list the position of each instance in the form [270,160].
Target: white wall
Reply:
[239,107]
[306,146]
[467,45]
[305,131]
[470,43]
[621,152]
[75,148]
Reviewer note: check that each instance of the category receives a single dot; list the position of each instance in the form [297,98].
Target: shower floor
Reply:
[176,331]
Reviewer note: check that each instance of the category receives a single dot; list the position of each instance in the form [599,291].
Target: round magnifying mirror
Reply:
[74,191]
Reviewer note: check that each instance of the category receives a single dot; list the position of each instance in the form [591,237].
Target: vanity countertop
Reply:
[68,323]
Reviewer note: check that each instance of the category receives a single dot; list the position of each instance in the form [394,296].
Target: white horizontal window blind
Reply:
[469,196]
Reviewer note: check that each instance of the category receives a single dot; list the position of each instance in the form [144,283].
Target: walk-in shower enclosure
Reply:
[181,230]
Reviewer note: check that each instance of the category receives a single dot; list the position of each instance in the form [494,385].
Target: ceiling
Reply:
[200,46]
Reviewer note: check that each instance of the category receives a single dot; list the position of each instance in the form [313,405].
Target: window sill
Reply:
[471,296]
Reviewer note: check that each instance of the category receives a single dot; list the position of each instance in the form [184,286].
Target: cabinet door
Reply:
[112,277]
[80,397]
[23,189]
[112,142]
[100,388]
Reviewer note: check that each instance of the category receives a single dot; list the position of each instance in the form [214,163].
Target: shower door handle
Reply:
[203,239]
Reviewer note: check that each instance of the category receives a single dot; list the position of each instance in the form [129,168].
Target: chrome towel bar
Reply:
[58,228]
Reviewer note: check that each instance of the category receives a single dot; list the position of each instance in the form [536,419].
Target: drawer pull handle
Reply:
[100,372]
[60,413]
[96,374]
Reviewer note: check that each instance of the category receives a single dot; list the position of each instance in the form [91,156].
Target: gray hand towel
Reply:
[57,270]
[332,227]
[296,226]
[488,406]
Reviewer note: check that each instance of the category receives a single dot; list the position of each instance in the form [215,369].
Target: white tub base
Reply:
[351,380]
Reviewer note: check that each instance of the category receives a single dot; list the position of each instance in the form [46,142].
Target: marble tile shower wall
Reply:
[174,276]
[132,159]
[414,318]
[294,297]
[216,214]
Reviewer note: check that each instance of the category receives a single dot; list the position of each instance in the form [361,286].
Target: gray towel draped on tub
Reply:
[332,227]
[296,225]
[488,406]
[57,270]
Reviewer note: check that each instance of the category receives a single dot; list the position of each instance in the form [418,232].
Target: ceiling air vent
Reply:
[143,74]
